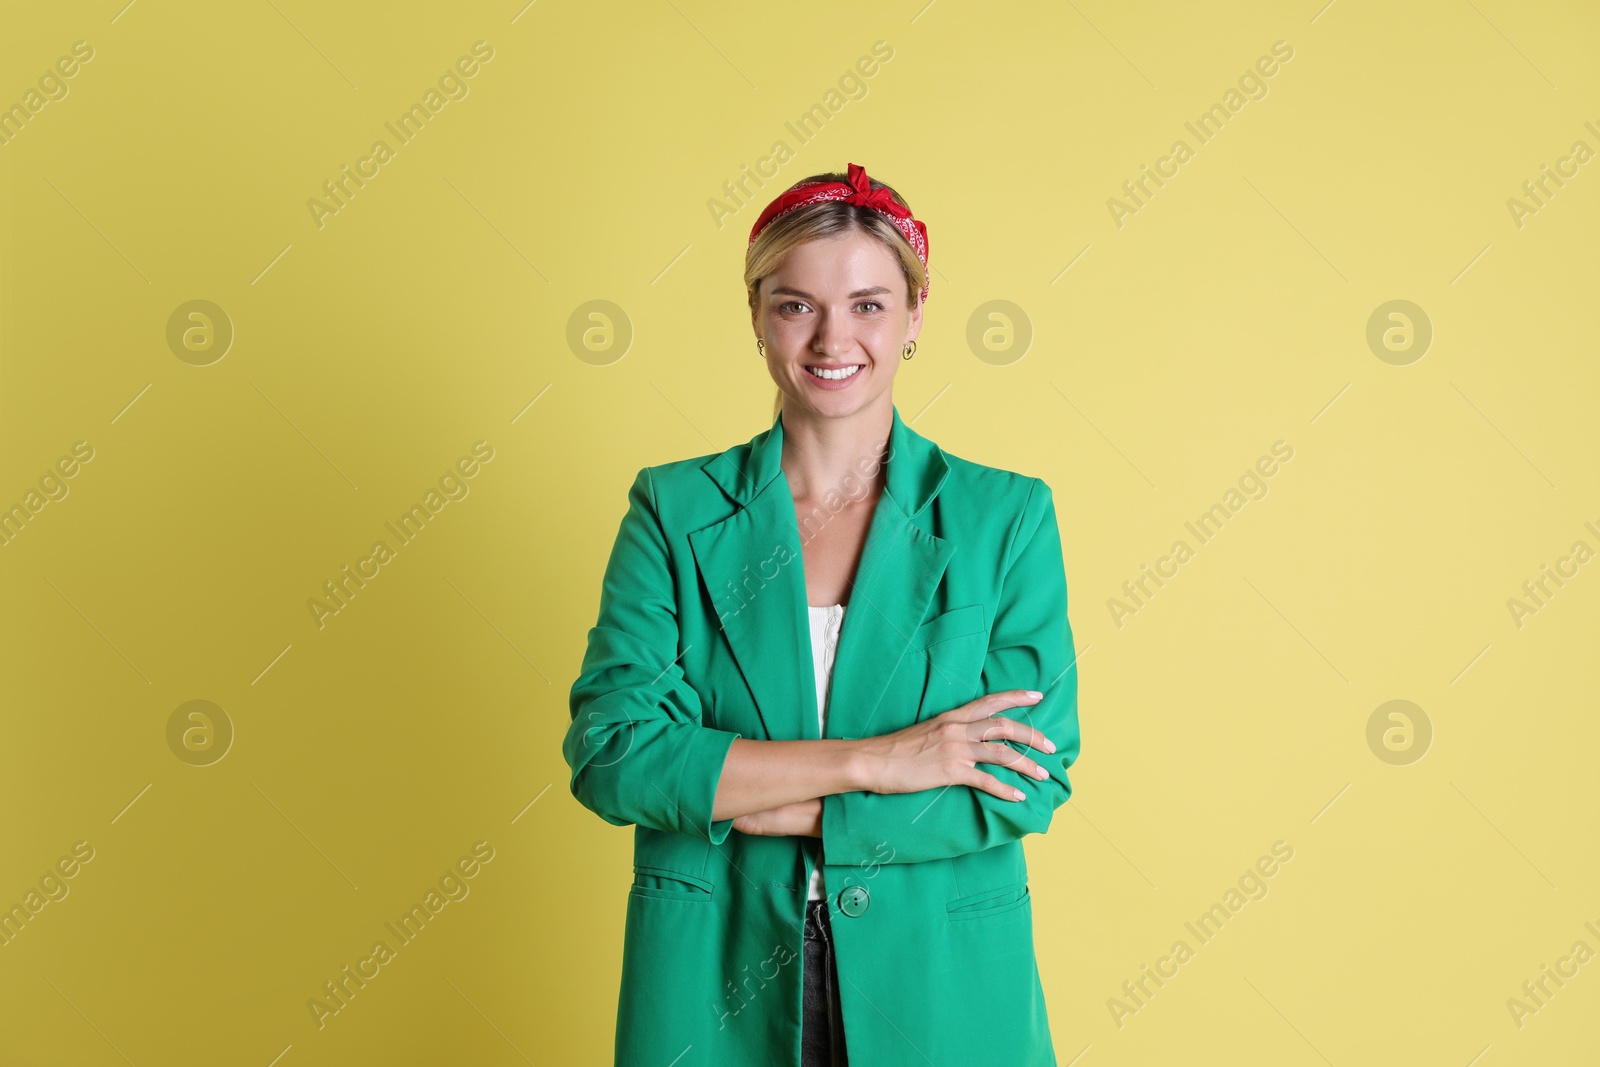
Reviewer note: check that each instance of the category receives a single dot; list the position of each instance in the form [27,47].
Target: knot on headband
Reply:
[858,190]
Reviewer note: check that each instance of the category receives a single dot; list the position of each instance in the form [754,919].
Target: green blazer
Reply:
[703,637]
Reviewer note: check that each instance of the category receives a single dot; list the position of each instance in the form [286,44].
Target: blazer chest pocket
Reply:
[948,626]
[948,653]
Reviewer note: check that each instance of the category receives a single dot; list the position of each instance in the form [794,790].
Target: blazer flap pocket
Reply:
[989,901]
[957,622]
[660,882]
[663,850]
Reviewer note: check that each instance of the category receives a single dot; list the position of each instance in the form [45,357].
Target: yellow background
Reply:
[432,312]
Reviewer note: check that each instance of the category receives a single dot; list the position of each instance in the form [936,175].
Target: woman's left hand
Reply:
[800,819]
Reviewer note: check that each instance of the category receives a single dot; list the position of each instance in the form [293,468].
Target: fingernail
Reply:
[1040,772]
[1035,694]
[1018,792]
[1049,745]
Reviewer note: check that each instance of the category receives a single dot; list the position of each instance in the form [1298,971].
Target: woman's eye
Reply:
[793,307]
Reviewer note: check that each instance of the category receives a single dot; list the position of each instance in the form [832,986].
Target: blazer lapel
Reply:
[900,568]
[752,566]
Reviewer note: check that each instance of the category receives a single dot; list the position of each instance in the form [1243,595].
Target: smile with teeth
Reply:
[833,374]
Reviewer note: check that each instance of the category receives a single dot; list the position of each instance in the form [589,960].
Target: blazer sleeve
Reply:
[636,745]
[1030,647]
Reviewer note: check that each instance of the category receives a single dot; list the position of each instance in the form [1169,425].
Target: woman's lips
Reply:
[835,384]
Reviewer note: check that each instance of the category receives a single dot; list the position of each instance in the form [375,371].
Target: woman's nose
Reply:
[833,335]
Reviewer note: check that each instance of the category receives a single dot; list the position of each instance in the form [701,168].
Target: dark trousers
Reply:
[822,1029]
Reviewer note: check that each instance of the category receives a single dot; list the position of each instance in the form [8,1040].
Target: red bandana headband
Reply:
[858,190]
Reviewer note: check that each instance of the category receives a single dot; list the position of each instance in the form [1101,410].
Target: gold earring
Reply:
[760,349]
[909,350]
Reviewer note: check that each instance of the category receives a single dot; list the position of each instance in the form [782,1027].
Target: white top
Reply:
[825,625]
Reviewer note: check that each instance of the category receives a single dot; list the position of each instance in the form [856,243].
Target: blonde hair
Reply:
[831,218]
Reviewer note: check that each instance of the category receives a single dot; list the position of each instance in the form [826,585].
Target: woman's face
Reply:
[832,305]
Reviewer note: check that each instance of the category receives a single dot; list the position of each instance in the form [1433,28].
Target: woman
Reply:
[850,884]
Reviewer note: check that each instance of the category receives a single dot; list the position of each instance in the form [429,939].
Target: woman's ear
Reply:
[916,322]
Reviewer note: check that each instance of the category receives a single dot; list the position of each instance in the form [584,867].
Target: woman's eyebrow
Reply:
[876,290]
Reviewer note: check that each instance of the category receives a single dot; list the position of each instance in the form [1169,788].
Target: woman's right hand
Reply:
[946,749]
